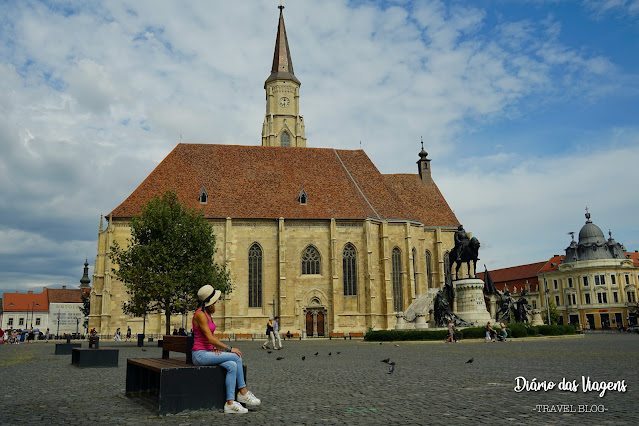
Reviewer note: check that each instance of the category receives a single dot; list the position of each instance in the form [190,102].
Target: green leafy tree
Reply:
[554,315]
[86,308]
[169,257]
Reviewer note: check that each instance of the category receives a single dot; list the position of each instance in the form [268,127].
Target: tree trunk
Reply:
[167,313]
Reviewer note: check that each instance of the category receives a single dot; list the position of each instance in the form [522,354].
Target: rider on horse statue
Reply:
[461,241]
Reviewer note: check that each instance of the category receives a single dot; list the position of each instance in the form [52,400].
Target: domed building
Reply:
[595,283]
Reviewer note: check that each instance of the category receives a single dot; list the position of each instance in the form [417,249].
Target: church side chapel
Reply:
[315,235]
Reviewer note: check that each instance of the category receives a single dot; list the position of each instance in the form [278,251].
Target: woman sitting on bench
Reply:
[208,350]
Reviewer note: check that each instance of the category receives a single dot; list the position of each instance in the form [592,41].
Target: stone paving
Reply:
[432,384]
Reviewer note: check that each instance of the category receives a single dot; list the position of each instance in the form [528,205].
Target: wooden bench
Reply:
[351,335]
[222,336]
[293,336]
[176,383]
[243,336]
[336,335]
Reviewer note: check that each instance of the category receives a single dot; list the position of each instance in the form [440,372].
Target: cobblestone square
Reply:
[346,383]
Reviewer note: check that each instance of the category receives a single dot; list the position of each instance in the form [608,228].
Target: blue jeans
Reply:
[232,363]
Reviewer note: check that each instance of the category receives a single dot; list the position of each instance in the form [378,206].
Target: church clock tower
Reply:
[283,124]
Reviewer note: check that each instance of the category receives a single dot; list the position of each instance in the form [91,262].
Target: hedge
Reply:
[514,330]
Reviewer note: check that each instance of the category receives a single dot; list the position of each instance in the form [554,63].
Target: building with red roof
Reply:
[593,285]
[316,235]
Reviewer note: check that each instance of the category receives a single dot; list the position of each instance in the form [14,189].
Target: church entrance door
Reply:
[309,324]
[320,324]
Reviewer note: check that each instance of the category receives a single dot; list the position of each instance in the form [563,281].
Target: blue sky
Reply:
[528,109]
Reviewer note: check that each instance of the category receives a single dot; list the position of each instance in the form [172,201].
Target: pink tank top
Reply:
[200,342]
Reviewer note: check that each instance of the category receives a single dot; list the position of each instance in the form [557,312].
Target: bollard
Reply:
[94,342]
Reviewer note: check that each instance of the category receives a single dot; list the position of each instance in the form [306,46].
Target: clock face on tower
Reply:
[284,102]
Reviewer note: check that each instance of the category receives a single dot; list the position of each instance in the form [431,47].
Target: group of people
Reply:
[272,333]
[490,331]
[12,336]
[117,336]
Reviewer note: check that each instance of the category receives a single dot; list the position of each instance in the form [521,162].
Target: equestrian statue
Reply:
[465,250]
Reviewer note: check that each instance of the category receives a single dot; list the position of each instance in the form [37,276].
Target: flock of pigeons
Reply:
[391,364]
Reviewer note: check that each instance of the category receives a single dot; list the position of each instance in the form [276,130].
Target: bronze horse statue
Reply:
[468,252]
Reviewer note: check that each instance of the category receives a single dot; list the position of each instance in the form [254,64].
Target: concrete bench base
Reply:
[95,357]
[175,385]
[66,348]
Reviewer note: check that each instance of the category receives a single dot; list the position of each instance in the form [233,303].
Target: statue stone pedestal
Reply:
[420,322]
[536,319]
[471,307]
[401,323]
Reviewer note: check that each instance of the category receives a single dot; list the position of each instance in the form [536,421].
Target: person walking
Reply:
[116,336]
[208,350]
[128,333]
[270,336]
[451,332]
[276,333]
[504,333]
[489,330]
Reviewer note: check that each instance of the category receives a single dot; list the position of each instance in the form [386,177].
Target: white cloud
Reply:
[93,100]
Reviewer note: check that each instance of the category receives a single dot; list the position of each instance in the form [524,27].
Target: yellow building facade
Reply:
[595,284]
[318,236]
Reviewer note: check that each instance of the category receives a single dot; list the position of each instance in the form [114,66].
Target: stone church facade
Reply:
[318,236]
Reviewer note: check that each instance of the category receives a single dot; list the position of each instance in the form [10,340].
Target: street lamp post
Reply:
[547,303]
[58,333]
[32,306]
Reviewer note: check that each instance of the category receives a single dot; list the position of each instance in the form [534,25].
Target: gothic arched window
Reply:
[310,261]
[429,277]
[349,266]
[285,139]
[398,295]
[255,276]
[415,268]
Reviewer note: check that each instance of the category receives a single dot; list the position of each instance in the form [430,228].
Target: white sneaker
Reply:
[248,399]
[235,408]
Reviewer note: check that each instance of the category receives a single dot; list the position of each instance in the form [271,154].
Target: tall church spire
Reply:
[282,63]
[283,124]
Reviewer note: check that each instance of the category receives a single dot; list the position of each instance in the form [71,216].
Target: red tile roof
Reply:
[515,272]
[634,256]
[22,302]
[553,263]
[264,182]
[64,295]
[516,276]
